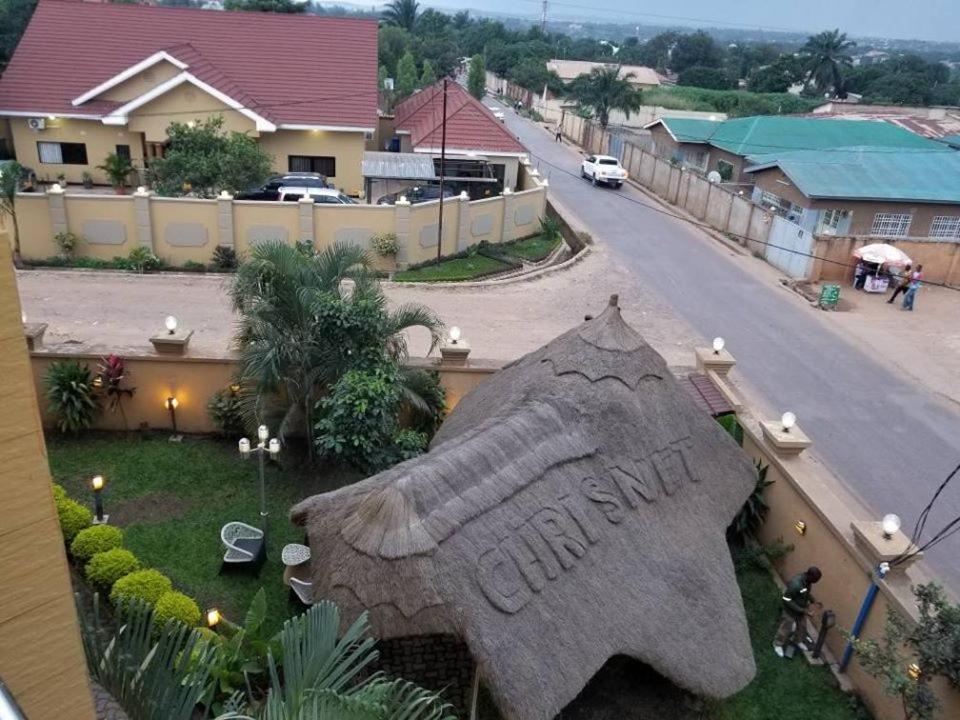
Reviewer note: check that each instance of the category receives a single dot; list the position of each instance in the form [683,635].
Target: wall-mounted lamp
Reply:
[213,618]
[171,404]
[801,527]
[788,420]
[718,343]
[913,670]
[98,382]
[97,482]
[171,324]
[890,525]
[234,389]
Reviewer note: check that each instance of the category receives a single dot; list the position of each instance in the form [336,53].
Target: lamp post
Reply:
[263,447]
[171,404]
[97,483]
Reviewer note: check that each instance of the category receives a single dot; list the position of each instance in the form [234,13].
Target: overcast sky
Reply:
[922,19]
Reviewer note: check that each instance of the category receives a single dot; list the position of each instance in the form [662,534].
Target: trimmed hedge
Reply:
[176,606]
[73,518]
[146,585]
[105,568]
[59,493]
[95,539]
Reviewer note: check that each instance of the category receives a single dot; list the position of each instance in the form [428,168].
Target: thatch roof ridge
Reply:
[571,508]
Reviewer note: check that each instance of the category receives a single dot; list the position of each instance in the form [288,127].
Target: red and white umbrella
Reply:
[883,254]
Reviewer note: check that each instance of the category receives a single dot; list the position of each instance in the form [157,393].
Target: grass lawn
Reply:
[465,268]
[532,249]
[171,499]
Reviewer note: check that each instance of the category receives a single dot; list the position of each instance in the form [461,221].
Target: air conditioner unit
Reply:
[37,123]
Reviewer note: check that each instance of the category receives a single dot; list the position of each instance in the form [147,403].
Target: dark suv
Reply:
[270,190]
[418,194]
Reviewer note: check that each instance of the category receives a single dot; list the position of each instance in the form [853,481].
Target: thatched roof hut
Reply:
[570,509]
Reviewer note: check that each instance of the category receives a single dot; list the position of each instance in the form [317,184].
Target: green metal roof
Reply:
[871,174]
[951,140]
[775,133]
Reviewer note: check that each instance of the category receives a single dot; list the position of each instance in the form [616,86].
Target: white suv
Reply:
[603,169]
[329,196]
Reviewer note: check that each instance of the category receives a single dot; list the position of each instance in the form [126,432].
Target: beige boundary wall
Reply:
[181,230]
[940,258]
[194,380]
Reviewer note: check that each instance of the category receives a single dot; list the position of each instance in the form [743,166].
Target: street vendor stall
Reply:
[874,265]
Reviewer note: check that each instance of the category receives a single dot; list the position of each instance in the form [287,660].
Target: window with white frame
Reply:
[945,226]
[891,224]
[830,221]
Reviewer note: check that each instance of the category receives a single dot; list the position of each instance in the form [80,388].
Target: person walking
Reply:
[795,606]
[902,283]
[558,133]
[916,280]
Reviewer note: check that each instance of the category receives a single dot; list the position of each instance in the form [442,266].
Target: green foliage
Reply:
[551,228]
[477,77]
[730,423]
[141,259]
[226,411]
[426,399]
[175,605]
[750,517]
[14,16]
[777,77]
[385,244]
[144,585]
[224,257]
[705,77]
[826,58]
[72,396]
[118,169]
[92,540]
[202,159]
[695,50]
[402,13]
[105,568]
[393,43]
[73,517]
[274,6]
[933,644]
[736,103]
[750,556]
[407,80]
[10,182]
[604,90]
[142,663]
[67,242]
[59,493]
[454,269]
[428,76]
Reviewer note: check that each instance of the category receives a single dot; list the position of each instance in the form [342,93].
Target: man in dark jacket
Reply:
[795,603]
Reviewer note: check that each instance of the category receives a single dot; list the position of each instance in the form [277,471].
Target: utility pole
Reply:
[543,18]
[443,160]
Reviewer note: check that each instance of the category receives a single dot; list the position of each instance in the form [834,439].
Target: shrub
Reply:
[67,242]
[176,606]
[146,585]
[193,266]
[385,244]
[59,494]
[96,539]
[224,257]
[143,260]
[72,396]
[225,411]
[73,518]
[105,568]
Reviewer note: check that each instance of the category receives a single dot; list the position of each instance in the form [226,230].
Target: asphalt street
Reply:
[890,440]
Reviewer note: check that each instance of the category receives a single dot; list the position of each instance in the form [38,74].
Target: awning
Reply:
[398,166]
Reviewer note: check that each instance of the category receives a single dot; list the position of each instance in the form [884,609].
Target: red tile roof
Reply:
[289,69]
[470,124]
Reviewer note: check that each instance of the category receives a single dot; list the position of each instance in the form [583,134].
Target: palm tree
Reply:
[300,331]
[603,90]
[402,13]
[10,177]
[826,55]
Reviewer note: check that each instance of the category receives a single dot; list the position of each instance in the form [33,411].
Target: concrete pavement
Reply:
[891,440]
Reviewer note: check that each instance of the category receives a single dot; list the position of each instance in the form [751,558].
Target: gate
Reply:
[790,248]
[616,146]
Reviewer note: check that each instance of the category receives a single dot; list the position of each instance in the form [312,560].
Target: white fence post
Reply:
[141,212]
[402,227]
[225,220]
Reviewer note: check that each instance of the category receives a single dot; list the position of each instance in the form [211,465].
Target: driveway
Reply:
[891,440]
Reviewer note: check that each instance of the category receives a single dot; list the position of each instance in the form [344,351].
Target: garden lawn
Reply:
[171,499]
[532,249]
[457,269]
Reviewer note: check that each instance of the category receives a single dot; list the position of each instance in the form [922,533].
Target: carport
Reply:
[390,172]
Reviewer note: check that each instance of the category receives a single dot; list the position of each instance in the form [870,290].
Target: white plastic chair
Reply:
[243,542]
[303,589]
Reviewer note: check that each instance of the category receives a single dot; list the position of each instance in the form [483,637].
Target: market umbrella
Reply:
[882,254]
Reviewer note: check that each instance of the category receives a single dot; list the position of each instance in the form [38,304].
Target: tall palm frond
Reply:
[604,90]
[406,317]
[827,56]
[152,679]
[402,13]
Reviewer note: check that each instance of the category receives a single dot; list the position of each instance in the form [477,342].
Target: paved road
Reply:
[891,441]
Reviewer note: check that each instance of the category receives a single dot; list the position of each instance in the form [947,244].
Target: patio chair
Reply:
[245,546]
[303,590]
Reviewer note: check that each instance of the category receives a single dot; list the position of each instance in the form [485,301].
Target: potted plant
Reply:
[62,179]
[87,179]
[118,169]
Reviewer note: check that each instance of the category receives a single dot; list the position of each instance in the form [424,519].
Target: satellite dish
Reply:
[714,177]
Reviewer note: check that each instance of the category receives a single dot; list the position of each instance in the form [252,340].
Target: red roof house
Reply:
[305,85]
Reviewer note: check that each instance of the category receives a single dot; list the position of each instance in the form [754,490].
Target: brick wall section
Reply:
[436,662]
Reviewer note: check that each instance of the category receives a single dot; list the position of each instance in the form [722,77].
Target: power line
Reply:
[705,226]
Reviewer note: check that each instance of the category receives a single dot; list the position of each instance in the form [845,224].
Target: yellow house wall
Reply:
[166,214]
[185,103]
[41,656]
[96,208]
[100,139]
[141,83]
[347,222]
[346,147]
